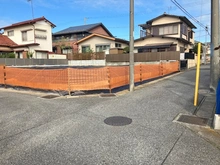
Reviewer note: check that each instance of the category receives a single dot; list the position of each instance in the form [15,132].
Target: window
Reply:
[40,36]
[11,33]
[172,29]
[184,29]
[182,50]
[117,45]
[101,48]
[41,55]
[67,51]
[85,49]
[24,35]
[190,34]
[161,49]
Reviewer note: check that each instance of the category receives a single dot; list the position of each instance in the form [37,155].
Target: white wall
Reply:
[40,28]
[87,62]
[92,42]
[44,44]
[17,38]
[56,56]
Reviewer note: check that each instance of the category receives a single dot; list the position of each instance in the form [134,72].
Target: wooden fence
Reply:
[86,56]
[144,57]
[72,79]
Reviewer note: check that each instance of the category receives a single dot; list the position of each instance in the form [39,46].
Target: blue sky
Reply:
[114,14]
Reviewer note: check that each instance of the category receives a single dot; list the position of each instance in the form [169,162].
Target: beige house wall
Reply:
[154,40]
[165,20]
[92,42]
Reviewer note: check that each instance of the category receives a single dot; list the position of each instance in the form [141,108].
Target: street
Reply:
[35,131]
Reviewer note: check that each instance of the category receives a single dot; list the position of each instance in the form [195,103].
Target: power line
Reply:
[189,15]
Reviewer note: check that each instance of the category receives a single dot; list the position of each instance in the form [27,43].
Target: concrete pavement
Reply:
[37,131]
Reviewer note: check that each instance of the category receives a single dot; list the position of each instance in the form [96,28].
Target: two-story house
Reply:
[166,33]
[80,39]
[33,37]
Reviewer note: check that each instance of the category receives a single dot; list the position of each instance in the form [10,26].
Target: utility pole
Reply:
[131,46]
[214,58]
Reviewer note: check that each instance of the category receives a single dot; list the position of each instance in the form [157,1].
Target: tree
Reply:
[126,49]
[7,55]
[195,48]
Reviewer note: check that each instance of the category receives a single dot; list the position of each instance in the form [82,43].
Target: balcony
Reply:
[142,33]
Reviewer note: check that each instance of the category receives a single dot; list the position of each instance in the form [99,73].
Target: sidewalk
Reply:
[206,110]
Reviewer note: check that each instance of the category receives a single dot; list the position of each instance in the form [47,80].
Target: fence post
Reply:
[109,79]
[140,72]
[4,76]
[68,81]
[161,68]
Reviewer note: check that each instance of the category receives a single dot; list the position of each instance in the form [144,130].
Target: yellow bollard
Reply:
[197,76]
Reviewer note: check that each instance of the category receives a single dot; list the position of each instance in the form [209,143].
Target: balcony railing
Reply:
[142,33]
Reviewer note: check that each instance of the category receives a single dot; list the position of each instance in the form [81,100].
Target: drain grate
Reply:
[193,120]
[49,96]
[118,121]
[107,95]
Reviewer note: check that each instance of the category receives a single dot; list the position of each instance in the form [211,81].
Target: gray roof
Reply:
[81,28]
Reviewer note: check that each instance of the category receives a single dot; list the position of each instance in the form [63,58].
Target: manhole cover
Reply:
[118,121]
[193,120]
[49,96]
[107,95]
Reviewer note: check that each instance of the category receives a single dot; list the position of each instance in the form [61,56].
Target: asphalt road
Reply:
[37,131]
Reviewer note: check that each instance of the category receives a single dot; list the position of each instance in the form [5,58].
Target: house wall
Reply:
[154,40]
[45,44]
[17,37]
[155,31]
[92,42]
[6,49]
[170,20]
[66,43]
[40,32]
[99,30]
[165,20]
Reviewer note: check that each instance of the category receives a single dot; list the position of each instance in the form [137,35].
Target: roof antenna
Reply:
[31,8]
[169,8]
[85,19]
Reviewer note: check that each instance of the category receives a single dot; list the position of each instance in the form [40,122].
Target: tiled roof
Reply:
[32,21]
[5,41]
[81,28]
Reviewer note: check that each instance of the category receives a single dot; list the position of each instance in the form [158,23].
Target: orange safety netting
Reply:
[56,79]
[119,76]
[150,71]
[72,79]
[170,67]
[2,76]
[88,79]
